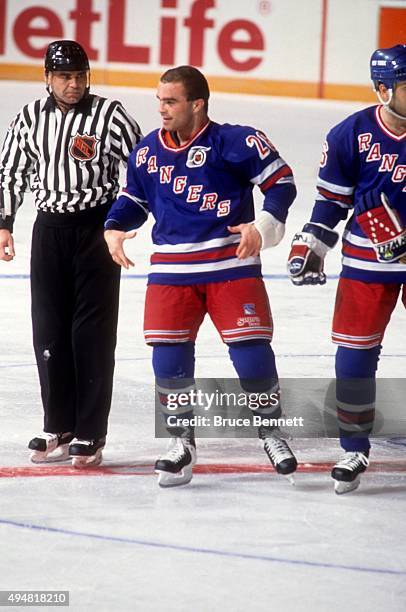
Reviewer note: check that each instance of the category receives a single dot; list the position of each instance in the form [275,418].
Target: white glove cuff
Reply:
[270,229]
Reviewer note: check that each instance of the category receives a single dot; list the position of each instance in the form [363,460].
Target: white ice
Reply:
[228,541]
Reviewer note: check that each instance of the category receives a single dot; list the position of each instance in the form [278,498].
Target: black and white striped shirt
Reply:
[69,161]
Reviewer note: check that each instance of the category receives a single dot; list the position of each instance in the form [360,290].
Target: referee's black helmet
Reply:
[65,55]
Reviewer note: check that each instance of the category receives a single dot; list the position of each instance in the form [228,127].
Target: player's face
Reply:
[176,111]
[68,87]
[399,98]
[398,101]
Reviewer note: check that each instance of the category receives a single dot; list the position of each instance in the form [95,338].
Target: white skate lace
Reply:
[277,449]
[52,437]
[82,442]
[49,437]
[175,452]
[352,461]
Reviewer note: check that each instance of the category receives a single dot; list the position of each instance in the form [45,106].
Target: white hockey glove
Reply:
[382,225]
[306,258]
[270,228]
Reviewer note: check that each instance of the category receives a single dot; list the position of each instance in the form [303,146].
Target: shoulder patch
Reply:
[197,156]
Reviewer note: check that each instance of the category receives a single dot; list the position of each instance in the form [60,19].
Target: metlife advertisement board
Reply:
[316,48]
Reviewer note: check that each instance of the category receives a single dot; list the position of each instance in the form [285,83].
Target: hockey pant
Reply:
[75,293]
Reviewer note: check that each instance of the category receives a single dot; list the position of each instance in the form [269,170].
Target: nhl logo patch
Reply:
[197,157]
[83,147]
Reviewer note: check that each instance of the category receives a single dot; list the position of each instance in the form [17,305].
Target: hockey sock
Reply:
[355,394]
[174,366]
[254,362]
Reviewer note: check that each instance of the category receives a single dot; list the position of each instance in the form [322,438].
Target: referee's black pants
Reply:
[75,293]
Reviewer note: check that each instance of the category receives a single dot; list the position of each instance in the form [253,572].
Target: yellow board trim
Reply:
[242,85]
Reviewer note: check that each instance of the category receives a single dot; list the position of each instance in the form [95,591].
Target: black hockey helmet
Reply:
[65,55]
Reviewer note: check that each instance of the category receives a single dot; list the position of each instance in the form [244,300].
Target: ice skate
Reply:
[86,453]
[279,453]
[50,447]
[175,467]
[347,472]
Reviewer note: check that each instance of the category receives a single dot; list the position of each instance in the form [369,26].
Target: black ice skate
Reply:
[86,453]
[176,466]
[278,452]
[347,472]
[50,447]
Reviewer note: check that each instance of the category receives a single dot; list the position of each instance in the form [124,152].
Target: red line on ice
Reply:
[146,469]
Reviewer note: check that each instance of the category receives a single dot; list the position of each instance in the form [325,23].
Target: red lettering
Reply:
[364,142]
[165,174]
[209,201]
[167,38]
[117,50]
[388,162]
[168,35]
[179,184]
[194,193]
[197,24]
[152,167]
[23,31]
[2,26]
[84,17]
[141,156]
[240,43]
[223,208]
[374,153]
[227,43]
[399,175]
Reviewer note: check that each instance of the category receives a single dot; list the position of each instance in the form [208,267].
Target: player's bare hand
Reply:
[7,252]
[115,242]
[251,241]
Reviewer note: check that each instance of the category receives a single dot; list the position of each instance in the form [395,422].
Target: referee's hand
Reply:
[115,240]
[7,252]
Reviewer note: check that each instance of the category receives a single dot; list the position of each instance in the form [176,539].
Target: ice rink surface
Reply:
[239,537]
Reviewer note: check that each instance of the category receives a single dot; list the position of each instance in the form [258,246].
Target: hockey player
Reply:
[68,148]
[362,170]
[196,177]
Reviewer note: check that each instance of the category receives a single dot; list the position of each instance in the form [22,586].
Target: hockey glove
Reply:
[382,225]
[306,258]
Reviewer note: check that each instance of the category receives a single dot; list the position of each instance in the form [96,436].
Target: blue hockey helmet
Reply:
[388,66]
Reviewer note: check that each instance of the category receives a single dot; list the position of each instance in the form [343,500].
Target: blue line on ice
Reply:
[279,355]
[145,276]
[203,551]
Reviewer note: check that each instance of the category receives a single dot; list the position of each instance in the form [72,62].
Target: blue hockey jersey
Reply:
[361,154]
[194,191]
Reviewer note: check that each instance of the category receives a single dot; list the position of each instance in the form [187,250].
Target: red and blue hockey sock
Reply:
[355,395]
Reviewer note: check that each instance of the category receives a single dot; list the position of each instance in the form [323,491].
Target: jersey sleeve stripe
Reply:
[280,176]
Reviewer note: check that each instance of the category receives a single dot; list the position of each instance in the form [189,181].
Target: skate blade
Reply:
[61,453]
[341,487]
[291,479]
[167,479]
[80,462]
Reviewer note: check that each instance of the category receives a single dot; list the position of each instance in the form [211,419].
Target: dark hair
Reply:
[194,82]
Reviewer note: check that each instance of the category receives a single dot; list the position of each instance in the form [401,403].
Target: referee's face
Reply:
[68,87]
